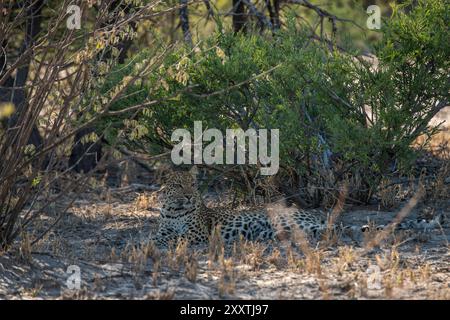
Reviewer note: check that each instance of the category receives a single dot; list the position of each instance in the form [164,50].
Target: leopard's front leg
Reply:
[165,235]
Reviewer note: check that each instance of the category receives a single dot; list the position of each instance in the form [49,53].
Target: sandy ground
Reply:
[105,239]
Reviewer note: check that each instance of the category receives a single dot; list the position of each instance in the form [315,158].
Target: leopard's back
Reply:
[261,223]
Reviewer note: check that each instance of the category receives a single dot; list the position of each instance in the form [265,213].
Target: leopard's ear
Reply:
[194,173]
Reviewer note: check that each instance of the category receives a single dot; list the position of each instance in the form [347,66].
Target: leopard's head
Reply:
[179,195]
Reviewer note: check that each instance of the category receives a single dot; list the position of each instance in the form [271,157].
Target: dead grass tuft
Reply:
[227,281]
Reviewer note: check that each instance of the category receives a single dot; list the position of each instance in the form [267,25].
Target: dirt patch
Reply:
[105,238]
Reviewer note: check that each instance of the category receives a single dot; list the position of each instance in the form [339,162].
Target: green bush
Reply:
[341,117]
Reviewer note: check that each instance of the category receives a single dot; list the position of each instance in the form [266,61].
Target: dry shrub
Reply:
[25,247]
[346,257]
[216,247]
[55,96]
[252,254]
[439,188]
[227,280]
[176,256]
[191,267]
[277,259]
[388,193]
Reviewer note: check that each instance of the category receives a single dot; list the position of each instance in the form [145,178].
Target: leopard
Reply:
[184,215]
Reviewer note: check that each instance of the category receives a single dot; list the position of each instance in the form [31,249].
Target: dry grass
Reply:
[227,280]
[438,144]
[106,233]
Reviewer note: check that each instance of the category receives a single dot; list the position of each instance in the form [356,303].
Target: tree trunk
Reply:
[274,13]
[13,89]
[184,21]
[85,156]
[239,16]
